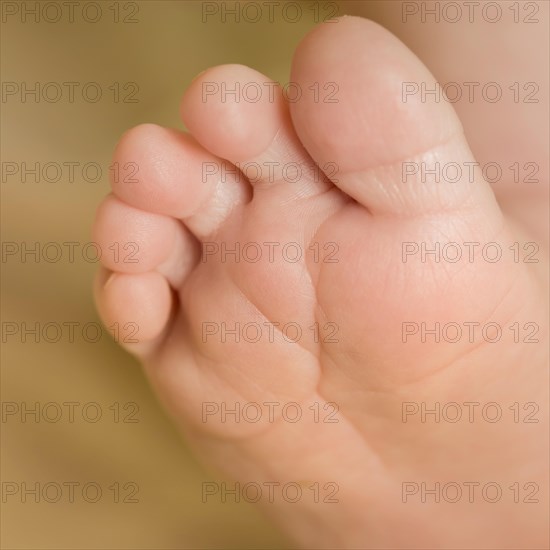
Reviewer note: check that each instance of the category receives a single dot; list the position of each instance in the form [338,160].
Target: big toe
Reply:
[383,137]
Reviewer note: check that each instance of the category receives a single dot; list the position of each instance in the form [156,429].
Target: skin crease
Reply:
[370,372]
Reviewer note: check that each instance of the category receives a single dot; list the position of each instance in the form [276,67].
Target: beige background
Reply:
[161,53]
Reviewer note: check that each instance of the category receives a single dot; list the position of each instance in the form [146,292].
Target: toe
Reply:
[136,308]
[241,115]
[383,140]
[132,240]
[170,177]
[135,241]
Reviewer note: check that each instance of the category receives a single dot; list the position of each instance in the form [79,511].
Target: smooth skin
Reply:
[367,370]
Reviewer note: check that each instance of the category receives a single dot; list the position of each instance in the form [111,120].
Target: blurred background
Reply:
[88,458]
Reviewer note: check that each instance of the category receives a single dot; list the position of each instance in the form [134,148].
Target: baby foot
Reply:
[284,269]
